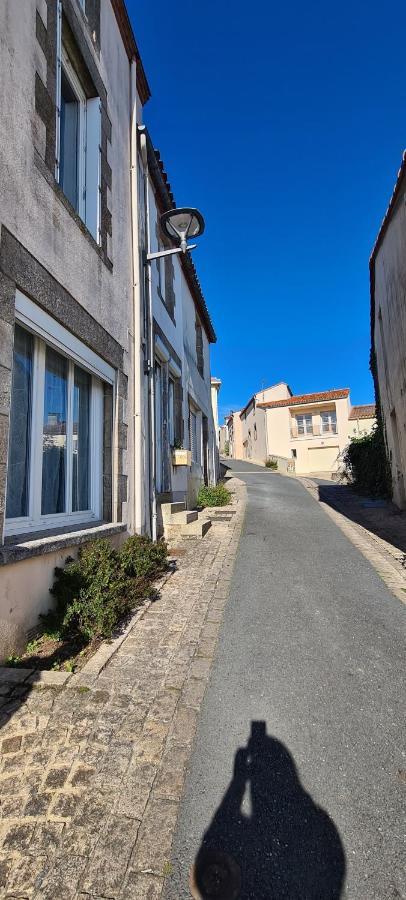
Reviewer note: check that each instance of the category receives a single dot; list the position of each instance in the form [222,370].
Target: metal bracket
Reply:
[161,253]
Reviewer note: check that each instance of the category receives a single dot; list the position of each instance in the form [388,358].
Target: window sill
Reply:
[29,545]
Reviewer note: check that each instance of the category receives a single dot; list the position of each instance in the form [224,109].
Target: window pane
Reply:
[171,411]
[69,169]
[54,433]
[20,426]
[81,440]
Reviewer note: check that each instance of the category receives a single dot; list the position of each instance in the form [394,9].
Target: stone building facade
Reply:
[388,331]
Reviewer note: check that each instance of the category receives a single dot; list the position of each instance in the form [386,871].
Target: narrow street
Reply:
[297,772]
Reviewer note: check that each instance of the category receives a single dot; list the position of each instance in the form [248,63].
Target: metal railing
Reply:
[315,431]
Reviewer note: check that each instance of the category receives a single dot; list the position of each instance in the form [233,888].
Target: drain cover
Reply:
[215,876]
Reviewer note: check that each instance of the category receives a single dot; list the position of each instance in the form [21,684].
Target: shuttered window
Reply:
[193,435]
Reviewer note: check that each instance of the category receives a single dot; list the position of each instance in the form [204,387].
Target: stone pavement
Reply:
[92,771]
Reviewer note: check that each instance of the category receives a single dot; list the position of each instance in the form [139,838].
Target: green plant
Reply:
[366,466]
[217,495]
[13,660]
[271,463]
[140,557]
[32,647]
[227,448]
[96,591]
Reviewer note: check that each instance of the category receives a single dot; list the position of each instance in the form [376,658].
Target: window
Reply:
[78,147]
[193,435]
[56,434]
[304,424]
[255,432]
[165,273]
[328,422]
[294,454]
[171,411]
[199,348]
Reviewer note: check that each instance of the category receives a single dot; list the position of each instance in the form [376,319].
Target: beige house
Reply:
[310,428]
[388,331]
[361,420]
[233,423]
[254,435]
[305,433]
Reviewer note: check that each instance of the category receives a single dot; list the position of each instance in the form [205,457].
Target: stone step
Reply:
[184,517]
[171,509]
[196,529]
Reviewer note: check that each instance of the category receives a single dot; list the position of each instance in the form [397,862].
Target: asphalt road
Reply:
[297,783]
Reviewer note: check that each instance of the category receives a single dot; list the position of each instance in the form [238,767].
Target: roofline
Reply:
[388,215]
[360,406]
[254,396]
[167,201]
[300,399]
[130,44]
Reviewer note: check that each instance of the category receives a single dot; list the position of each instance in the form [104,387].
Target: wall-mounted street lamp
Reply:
[179,225]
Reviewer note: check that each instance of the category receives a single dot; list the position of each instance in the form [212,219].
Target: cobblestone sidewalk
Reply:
[92,772]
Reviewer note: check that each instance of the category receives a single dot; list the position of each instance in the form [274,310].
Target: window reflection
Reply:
[54,434]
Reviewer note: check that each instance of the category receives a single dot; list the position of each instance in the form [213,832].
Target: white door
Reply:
[158,427]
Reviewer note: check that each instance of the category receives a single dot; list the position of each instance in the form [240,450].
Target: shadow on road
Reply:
[268,840]
[381,517]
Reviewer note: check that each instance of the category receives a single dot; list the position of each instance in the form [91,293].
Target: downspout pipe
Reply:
[150,338]
[137,303]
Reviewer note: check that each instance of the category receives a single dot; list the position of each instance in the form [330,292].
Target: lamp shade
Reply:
[181,224]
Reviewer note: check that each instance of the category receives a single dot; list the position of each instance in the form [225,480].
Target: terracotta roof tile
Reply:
[363,412]
[302,399]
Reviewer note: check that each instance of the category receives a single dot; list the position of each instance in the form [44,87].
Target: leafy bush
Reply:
[218,495]
[271,463]
[366,466]
[94,592]
[142,558]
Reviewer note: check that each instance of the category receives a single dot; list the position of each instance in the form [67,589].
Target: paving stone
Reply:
[65,805]
[46,837]
[141,887]
[105,872]
[25,871]
[153,846]
[11,744]
[56,778]
[37,805]
[135,790]
[60,879]
[17,837]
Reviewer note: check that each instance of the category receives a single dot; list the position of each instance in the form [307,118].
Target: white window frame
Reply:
[46,331]
[307,429]
[331,415]
[89,138]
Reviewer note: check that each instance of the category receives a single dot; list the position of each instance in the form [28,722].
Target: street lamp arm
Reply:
[161,253]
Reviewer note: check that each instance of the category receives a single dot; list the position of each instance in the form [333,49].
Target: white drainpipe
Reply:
[137,309]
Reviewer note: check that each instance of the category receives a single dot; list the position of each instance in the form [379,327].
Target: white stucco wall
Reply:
[390,342]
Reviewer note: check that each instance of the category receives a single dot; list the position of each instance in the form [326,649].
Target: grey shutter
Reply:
[199,348]
[178,394]
[169,288]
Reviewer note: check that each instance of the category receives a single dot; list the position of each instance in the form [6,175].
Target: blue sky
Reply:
[285,124]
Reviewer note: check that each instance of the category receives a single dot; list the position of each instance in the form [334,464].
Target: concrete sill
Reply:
[27,547]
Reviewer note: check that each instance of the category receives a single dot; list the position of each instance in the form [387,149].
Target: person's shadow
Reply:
[281,846]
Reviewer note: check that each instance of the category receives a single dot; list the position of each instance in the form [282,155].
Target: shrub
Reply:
[218,495]
[142,558]
[94,592]
[271,463]
[366,466]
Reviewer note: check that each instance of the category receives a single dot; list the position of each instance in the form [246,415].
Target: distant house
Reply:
[307,433]
[388,331]
[361,420]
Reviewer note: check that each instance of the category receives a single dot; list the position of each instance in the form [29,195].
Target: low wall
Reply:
[24,593]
